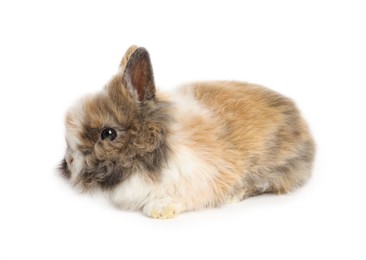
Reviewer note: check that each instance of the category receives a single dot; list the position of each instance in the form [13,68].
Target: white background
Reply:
[52,53]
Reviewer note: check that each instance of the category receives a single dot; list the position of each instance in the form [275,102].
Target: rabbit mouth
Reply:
[64,170]
[72,166]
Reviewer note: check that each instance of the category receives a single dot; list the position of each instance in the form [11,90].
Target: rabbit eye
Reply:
[109,133]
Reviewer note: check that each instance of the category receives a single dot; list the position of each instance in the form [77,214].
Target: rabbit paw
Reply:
[161,209]
[239,196]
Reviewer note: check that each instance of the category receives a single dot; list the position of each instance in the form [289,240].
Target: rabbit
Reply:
[203,145]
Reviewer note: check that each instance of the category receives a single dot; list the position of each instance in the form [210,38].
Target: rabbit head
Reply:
[118,132]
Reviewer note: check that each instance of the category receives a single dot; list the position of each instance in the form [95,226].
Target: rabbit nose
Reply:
[69,160]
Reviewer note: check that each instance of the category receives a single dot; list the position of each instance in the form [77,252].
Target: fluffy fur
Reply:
[203,145]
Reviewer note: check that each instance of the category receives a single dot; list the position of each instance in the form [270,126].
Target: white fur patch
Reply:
[189,177]
[132,193]
[187,105]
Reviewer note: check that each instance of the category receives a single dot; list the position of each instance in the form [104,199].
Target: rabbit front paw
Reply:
[162,209]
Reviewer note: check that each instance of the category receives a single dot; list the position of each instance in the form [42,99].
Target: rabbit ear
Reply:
[138,74]
[127,56]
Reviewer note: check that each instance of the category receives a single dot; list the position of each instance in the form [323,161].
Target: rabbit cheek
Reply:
[104,175]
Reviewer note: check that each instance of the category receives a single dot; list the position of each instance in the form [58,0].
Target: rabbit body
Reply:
[203,145]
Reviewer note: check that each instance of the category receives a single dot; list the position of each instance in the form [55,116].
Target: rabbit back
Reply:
[234,140]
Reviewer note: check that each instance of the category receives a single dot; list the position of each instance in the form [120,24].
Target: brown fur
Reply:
[246,140]
[262,132]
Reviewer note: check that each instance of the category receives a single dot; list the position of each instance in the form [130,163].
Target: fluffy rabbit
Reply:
[203,145]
